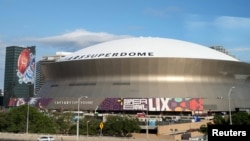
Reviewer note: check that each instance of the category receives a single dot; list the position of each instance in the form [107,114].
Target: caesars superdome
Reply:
[146,74]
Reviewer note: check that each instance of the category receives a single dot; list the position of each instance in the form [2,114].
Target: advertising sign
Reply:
[26,66]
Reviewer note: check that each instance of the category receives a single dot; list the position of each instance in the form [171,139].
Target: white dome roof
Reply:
[147,47]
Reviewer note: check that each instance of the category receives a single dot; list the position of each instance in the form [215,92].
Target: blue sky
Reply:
[69,25]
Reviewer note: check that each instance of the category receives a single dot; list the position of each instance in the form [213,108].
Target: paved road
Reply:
[33,137]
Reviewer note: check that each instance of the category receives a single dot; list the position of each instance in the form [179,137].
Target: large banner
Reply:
[40,103]
[153,104]
[119,104]
[26,66]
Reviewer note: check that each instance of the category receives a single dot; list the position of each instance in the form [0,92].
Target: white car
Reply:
[46,138]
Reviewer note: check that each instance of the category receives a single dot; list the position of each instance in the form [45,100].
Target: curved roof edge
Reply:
[139,47]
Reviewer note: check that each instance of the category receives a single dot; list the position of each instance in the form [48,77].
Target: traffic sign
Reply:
[101,125]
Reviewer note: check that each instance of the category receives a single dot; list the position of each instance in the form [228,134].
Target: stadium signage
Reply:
[70,102]
[110,55]
[163,104]
[151,104]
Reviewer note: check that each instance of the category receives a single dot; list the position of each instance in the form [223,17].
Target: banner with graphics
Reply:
[117,104]
[40,103]
[26,66]
[152,104]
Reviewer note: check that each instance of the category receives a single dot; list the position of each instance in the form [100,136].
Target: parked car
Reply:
[46,138]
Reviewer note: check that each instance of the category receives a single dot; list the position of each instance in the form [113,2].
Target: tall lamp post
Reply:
[147,123]
[229,102]
[88,128]
[28,104]
[28,114]
[77,126]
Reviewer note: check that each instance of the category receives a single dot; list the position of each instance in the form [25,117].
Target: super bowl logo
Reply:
[26,66]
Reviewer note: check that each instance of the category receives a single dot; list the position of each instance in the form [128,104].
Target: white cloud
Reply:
[76,40]
[232,22]
[223,22]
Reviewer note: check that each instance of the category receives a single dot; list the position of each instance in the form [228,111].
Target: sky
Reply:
[70,25]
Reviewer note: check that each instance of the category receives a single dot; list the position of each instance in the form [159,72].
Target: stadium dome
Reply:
[147,47]
[146,74]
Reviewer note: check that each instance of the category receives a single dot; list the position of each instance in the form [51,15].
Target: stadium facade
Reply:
[146,74]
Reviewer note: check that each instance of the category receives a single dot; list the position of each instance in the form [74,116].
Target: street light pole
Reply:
[87,128]
[28,114]
[229,103]
[28,109]
[77,126]
[147,123]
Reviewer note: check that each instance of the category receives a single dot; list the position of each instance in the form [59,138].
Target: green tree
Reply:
[241,118]
[121,126]
[4,122]
[63,121]
[88,125]
[38,122]
[219,120]
[130,125]
[203,128]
